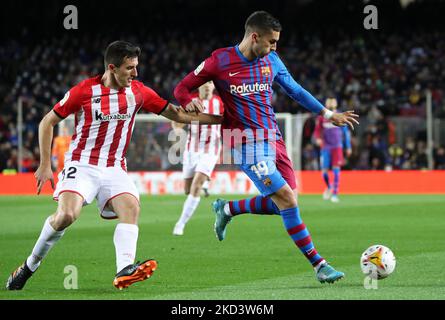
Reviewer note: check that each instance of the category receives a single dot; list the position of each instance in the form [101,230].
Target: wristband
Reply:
[328,114]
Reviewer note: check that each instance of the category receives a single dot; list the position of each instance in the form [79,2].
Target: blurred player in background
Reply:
[95,166]
[243,76]
[201,154]
[331,140]
[61,144]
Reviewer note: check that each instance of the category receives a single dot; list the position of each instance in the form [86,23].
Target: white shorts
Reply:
[198,162]
[90,182]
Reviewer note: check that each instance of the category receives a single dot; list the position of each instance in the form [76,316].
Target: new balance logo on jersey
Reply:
[96,100]
[99,116]
[248,89]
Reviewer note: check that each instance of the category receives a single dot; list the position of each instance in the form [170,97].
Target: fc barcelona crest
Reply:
[267,182]
[265,71]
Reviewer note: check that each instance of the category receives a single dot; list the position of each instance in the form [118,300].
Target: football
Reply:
[378,262]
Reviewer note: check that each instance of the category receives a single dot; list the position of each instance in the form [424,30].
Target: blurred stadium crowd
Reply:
[379,75]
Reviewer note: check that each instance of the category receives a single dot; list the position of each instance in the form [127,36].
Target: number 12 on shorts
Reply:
[71,172]
[260,169]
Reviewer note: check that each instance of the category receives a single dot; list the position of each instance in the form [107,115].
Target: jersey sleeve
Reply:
[293,89]
[205,72]
[151,101]
[71,102]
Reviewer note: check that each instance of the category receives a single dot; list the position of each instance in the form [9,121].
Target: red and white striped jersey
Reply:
[104,119]
[206,138]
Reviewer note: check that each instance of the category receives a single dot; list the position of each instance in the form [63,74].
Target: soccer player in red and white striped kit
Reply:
[95,166]
[201,153]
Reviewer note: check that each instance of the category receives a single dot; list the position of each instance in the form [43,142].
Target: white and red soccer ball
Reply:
[378,262]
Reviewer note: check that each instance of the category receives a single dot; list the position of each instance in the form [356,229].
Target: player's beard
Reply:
[262,53]
[265,53]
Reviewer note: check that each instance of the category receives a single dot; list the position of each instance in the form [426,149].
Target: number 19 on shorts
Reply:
[260,169]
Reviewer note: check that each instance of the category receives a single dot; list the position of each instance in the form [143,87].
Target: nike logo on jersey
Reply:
[233,74]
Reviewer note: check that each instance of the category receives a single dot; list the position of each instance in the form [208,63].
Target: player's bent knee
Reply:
[196,190]
[198,182]
[131,213]
[127,208]
[285,198]
[290,201]
[133,209]
[295,192]
[136,211]
[64,218]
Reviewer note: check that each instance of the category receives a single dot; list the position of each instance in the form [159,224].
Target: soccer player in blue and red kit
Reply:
[331,140]
[243,76]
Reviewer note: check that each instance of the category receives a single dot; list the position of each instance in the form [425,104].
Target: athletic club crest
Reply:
[265,71]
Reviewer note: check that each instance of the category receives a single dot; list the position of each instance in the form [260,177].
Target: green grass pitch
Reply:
[257,260]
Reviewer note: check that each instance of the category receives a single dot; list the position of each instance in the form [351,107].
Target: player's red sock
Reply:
[256,205]
[300,235]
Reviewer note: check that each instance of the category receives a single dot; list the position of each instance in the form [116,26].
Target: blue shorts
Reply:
[259,162]
[331,157]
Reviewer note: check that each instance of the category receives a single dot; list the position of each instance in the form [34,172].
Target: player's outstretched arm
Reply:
[177,114]
[202,74]
[183,91]
[307,100]
[341,119]
[46,127]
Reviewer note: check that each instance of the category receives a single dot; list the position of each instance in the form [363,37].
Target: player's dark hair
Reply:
[117,51]
[261,22]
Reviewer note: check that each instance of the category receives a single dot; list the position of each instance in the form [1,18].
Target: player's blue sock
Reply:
[336,179]
[300,234]
[256,205]
[326,179]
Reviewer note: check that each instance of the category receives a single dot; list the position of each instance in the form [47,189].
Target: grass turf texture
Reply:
[257,260]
